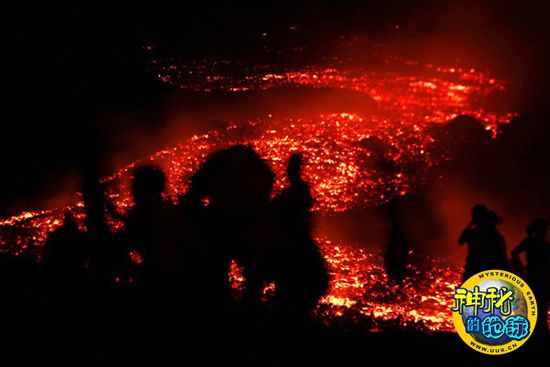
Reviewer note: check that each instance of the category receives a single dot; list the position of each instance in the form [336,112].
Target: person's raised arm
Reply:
[465,235]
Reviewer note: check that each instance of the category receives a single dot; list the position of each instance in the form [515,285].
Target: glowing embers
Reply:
[350,161]
[408,91]
[362,294]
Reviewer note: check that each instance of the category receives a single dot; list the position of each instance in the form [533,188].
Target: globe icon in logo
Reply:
[518,307]
[494,312]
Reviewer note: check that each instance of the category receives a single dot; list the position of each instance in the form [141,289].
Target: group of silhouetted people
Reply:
[227,214]
[487,251]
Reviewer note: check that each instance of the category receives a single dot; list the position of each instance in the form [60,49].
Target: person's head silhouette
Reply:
[483,217]
[148,184]
[492,219]
[538,228]
[479,213]
[68,219]
[235,179]
[294,167]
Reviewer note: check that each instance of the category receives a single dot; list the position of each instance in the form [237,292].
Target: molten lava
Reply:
[342,165]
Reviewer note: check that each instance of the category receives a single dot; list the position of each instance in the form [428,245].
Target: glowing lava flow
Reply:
[363,296]
[339,166]
[414,95]
[346,167]
[362,293]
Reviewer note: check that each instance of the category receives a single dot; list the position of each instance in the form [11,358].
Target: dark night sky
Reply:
[62,65]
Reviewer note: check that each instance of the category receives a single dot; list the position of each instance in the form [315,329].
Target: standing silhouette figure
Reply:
[63,254]
[395,259]
[486,246]
[537,253]
[151,228]
[100,253]
[301,276]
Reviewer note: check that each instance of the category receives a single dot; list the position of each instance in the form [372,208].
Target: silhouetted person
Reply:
[94,203]
[64,254]
[537,253]
[228,202]
[101,255]
[152,228]
[380,161]
[300,272]
[486,246]
[294,203]
[66,294]
[395,259]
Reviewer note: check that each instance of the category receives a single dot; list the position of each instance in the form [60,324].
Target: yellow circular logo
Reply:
[494,312]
